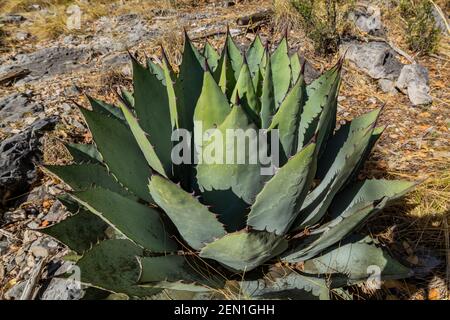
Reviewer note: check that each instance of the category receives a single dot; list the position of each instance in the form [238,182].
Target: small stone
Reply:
[39,251]
[16,215]
[368,19]
[12,18]
[30,261]
[19,258]
[3,247]
[33,225]
[372,100]
[56,213]
[413,80]
[62,289]
[16,291]
[2,271]
[387,86]
[52,244]
[21,36]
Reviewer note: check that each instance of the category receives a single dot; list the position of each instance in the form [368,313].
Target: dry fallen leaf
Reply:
[434,294]
[45,223]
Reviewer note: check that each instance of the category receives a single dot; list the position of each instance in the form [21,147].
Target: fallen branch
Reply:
[254,17]
[28,291]
[13,76]
[9,235]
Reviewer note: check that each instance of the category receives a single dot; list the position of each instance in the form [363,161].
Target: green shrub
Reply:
[421,29]
[321,21]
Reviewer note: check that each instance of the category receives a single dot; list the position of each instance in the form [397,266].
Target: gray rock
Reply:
[16,291]
[39,251]
[116,60]
[3,247]
[387,86]
[413,80]
[36,195]
[18,156]
[377,59]
[57,212]
[50,61]
[441,21]
[21,36]
[15,106]
[12,18]
[311,73]
[368,19]
[62,289]
[13,216]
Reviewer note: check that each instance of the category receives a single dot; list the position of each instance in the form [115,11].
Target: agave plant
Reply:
[143,225]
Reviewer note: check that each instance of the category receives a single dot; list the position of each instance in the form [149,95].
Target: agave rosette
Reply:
[187,229]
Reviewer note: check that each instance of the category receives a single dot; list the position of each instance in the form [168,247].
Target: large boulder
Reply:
[376,58]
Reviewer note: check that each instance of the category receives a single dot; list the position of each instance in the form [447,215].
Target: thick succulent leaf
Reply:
[335,231]
[139,223]
[195,223]
[231,210]
[235,54]
[287,118]
[368,191]
[275,211]
[84,153]
[189,85]
[281,71]
[224,74]
[85,176]
[343,152]
[112,265]
[211,55]
[244,177]
[178,273]
[169,82]
[296,67]
[105,108]
[244,251]
[322,95]
[188,89]
[376,134]
[153,111]
[171,294]
[245,92]
[120,152]
[94,294]
[212,106]
[147,149]
[288,286]
[128,97]
[354,262]
[254,57]
[157,70]
[268,107]
[79,232]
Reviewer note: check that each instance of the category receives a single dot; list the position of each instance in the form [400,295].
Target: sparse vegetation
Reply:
[421,30]
[322,20]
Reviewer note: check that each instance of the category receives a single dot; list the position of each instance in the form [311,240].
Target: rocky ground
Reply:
[40,81]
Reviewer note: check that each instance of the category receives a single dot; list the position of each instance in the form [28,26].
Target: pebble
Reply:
[39,251]
[21,36]
[33,225]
